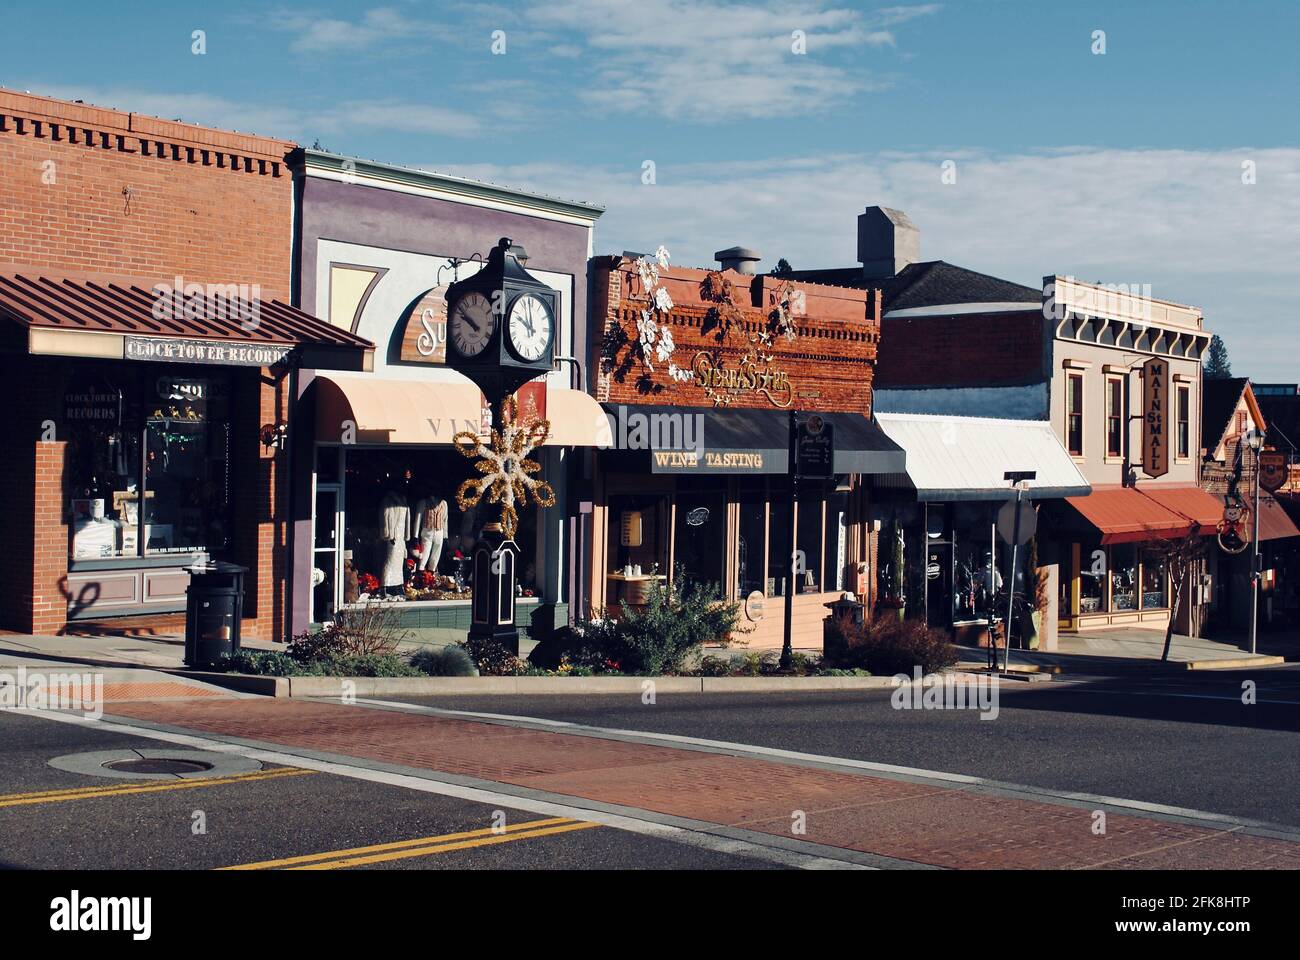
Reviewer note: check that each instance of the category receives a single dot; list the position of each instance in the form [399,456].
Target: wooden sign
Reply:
[424,333]
[1155,419]
[1272,470]
[630,529]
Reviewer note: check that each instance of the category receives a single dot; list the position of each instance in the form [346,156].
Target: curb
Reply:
[332,687]
[1235,664]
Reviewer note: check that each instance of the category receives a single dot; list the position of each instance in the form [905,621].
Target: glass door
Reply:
[326,560]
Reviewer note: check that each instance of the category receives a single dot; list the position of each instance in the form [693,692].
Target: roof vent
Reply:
[740,259]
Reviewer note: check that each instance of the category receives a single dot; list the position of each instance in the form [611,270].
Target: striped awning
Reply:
[113,317]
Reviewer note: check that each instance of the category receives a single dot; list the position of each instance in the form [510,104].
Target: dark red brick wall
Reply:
[830,363]
[84,189]
[973,349]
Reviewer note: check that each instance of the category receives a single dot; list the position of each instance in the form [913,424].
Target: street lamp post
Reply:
[1255,440]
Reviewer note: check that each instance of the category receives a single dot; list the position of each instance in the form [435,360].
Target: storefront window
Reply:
[700,534]
[753,527]
[808,542]
[406,533]
[837,540]
[135,437]
[778,525]
[1093,572]
[1154,580]
[973,553]
[1123,559]
[187,446]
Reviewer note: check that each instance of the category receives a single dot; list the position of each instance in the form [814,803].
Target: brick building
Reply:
[145,340]
[698,397]
[1095,362]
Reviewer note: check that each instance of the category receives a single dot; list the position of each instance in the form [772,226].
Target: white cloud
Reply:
[298,123]
[688,59]
[1179,220]
[324,35]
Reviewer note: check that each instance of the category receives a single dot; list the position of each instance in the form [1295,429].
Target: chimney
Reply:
[740,259]
[887,242]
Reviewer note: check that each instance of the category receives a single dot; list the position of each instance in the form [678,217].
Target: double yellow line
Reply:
[422,847]
[122,789]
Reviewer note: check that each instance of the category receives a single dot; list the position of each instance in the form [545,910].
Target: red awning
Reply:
[1274,524]
[1132,514]
[109,316]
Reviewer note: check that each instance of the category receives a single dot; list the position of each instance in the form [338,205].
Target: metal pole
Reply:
[1011,584]
[1254,563]
[787,648]
[992,602]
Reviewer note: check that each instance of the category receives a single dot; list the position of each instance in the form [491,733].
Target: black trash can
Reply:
[214,606]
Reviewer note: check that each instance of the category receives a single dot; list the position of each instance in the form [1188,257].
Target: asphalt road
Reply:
[1185,741]
[250,820]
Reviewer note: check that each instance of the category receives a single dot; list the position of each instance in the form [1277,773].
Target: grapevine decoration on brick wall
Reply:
[651,341]
[506,467]
[726,317]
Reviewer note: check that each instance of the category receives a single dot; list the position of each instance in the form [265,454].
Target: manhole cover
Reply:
[155,764]
[159,765]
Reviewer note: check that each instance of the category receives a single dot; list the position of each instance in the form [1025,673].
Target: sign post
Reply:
[812,457]
[1020,528]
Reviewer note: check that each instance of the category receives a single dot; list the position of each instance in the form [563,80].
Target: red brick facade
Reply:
[969,349]
[828,365]
[86,189]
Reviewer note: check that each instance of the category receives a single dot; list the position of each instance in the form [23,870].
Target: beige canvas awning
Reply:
[368,409]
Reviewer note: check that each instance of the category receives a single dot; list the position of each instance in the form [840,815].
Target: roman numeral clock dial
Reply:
[472,323]
[530,327]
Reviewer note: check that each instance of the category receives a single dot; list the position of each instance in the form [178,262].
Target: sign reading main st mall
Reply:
[1155,418]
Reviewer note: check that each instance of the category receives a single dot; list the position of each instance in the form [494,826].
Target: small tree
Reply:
[1217,366]
[1180,558]
[782,268]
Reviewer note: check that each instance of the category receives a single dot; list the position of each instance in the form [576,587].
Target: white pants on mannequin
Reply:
[431,549]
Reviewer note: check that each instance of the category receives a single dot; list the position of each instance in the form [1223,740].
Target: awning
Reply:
[966,458]
[696,440]
[122,318]
[1133,514]
[1274,523]
[426,412]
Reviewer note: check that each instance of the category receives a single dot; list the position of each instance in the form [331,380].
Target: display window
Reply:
[1155,581]
[147,463]
[1093,578]
[1124,577]
[401,530]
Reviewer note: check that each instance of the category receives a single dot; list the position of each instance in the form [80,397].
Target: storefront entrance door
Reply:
[326,565]
[938,584]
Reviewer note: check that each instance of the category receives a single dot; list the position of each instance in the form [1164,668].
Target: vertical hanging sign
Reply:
[1155,420]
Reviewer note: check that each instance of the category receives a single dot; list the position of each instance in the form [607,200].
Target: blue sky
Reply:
[1123,167]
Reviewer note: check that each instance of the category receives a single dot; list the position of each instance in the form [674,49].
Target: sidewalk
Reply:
[158,651]
[911,817]
[1127,649]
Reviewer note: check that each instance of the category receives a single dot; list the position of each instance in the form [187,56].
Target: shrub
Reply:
[886,646]
[711,666]
[370,628]
[450,661]
[268,663]
[492,658]
[677,619]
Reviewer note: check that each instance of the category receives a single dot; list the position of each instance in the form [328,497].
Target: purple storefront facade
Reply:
[374,471]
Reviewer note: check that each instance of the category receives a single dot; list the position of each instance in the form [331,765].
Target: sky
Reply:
[1147,142]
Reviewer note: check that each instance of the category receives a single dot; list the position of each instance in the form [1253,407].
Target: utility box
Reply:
[832,643]
[214,608]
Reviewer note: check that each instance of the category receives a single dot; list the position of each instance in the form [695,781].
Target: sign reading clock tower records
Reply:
[1155,417]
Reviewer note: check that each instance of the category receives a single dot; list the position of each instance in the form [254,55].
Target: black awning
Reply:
[698,440]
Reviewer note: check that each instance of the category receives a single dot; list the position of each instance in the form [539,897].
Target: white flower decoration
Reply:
[662,256]
[662,300]
[665,348]
[647,330]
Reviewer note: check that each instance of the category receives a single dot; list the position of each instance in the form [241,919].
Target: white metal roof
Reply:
[964,458]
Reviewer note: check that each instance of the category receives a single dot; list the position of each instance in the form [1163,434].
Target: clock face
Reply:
[530,327]
[471,324]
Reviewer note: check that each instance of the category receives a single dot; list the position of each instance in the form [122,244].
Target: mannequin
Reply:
[394,531]
[431,528]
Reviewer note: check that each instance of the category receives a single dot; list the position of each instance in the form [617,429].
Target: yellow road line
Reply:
[446,847]
[415,847]
[128,789]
